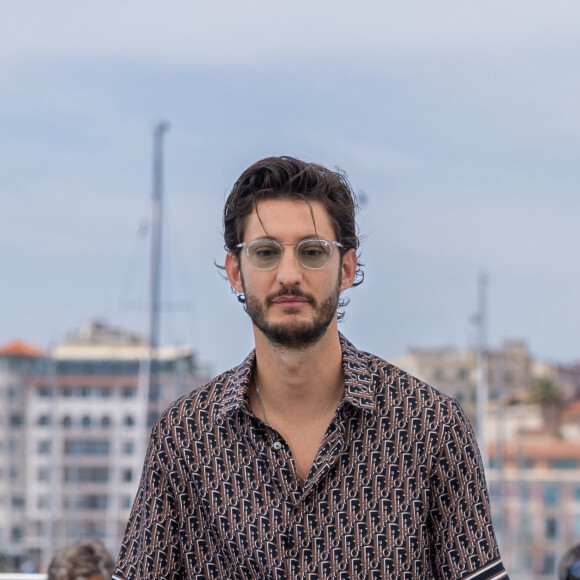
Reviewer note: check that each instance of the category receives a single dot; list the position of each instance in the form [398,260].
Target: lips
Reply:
[292,298]
[289,300]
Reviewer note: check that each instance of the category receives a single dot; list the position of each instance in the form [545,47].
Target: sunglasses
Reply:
[313,254]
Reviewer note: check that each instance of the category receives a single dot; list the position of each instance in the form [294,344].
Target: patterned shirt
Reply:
[396,491]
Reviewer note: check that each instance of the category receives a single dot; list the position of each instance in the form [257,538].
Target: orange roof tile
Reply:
[20,348]
[572,408]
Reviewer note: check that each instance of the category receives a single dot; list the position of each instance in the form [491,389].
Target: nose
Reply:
[289,270]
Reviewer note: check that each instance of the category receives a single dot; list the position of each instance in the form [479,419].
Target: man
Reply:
[311,459]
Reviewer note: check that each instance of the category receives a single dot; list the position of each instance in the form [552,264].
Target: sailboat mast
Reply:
[482,389]
[156,238]
[146,373]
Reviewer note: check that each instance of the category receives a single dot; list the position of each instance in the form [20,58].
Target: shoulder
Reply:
[207,405]
[395,391]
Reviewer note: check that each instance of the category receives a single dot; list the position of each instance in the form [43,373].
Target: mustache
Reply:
[290,291]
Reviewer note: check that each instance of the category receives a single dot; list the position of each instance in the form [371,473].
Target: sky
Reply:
[457,124]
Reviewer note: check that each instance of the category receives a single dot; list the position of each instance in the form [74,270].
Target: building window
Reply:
[16,421]
[16,534]
[86,422]
[128,448]
[43,474]
[86,447]
[105,392]
[17,501]
[129,421]
[66,422]
[95,502]
[565,464]
[86,474]
[551,495]
[105,422]
[527,527]
[44,421]
[551,528]
[127,475]
[128,392]
[155,393]
[92,530]
[43,502]
[576,528]
[44,447]
[86,502]
[549,565]
[44,392]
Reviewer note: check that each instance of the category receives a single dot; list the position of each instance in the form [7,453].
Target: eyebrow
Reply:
[274,239]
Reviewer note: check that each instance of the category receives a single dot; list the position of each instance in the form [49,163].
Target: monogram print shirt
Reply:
[396,490]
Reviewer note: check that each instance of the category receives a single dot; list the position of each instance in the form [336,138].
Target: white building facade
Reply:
[74,436]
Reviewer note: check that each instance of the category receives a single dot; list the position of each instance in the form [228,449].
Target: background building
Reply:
[453,371]
[75,424]
[532,434]
[534,480]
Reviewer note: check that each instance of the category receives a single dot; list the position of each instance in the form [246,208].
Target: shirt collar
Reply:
[237,390]
[359,380]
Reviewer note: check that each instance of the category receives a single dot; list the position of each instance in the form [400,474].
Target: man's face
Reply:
[290,305]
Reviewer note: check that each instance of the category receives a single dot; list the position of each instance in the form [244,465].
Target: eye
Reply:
[265,250]
[313,249]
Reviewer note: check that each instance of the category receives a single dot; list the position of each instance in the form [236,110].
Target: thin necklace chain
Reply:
[261,402]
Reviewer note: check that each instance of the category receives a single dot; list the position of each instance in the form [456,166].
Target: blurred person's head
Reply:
[84,560]
[569,566]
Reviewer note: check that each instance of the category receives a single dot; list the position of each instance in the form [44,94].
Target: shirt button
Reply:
[276,445]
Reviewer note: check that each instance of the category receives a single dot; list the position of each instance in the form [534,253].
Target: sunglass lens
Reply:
[314,254]
[264,254]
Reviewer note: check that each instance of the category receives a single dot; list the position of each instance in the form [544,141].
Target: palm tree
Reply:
[548,395]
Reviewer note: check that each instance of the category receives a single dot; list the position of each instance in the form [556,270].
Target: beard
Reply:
[293,335]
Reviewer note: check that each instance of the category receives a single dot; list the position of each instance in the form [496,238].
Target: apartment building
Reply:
[454,371]
[74,432]
[18,362]
[533,455]
[534,481]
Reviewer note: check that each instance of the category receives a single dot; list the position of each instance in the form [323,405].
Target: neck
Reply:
[300,383]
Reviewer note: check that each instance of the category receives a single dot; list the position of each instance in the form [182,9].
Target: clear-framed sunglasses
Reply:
[313,253]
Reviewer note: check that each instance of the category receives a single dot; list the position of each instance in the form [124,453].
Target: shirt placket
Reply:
[298,553]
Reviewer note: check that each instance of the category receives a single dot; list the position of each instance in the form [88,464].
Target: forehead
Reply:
[288,220]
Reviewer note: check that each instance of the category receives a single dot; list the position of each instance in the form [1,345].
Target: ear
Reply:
[233,272]
[349,265]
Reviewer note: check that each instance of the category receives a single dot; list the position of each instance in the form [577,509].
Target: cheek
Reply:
[255,281]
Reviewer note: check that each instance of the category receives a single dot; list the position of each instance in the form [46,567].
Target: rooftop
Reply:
[21,349]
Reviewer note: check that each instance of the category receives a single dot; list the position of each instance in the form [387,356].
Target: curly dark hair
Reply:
[290,178]
[81,560]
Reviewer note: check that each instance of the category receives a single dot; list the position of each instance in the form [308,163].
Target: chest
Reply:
[362,507]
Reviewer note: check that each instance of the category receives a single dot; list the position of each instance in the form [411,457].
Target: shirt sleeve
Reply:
[151,546]
[463,540]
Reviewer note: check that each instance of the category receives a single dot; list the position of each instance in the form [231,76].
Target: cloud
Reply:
[261,31]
